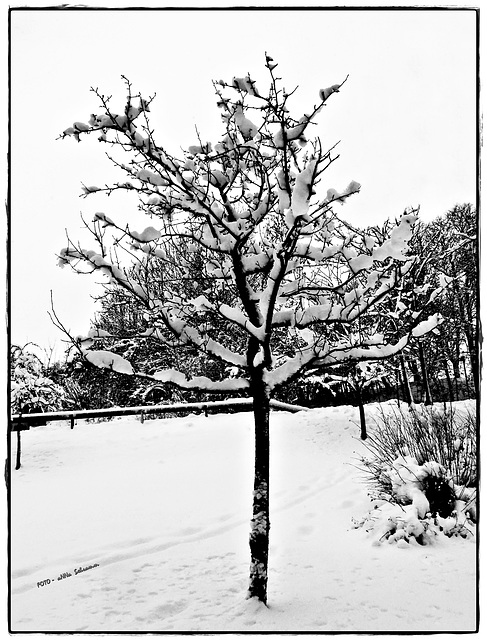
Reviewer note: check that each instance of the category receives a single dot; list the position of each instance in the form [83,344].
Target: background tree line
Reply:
[441,366]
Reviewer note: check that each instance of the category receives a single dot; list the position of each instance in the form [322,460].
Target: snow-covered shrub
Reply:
[402,525]
[32,391]
[421,470]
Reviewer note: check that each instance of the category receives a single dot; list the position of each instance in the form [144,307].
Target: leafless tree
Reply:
[277,258]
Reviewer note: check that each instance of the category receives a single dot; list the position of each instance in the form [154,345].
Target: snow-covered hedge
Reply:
[422,474]
[32,391]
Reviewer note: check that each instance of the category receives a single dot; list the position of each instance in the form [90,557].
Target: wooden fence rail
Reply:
[23,422]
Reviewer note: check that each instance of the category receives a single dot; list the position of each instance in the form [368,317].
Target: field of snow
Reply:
[158,514]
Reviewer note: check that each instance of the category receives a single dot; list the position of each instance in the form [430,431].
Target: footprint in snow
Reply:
[305,530]
[168,609]
[189,531]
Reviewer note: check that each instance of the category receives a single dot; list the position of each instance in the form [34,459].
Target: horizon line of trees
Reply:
[442,367]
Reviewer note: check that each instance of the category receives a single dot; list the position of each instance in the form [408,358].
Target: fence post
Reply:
[17,462]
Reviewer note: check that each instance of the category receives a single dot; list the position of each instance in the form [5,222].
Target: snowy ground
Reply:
[161,511]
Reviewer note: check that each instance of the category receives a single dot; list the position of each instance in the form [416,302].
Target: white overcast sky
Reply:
[406,118]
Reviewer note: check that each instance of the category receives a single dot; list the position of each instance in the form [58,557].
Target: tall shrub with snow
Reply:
[277,259]
[32,391]
[422,470]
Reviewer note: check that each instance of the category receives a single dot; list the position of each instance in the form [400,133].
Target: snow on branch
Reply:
[109,360]
[114,362]
[99,263]
[211,346]
[289,369]
[200,382]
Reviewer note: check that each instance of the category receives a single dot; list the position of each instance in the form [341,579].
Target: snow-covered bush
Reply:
[32,391]
[422,474]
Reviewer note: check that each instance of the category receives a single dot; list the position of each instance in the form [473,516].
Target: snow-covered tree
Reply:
[357,378]
[277,259]
[450,242]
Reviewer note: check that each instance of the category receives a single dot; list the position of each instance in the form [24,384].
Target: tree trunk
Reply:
[456,357]
[471,335]
[398,388]
[455,378]
[407,387]
[413,365]
[472,349]
[363,424]
[428,400]
[260,524]
[466,378]
[448,380]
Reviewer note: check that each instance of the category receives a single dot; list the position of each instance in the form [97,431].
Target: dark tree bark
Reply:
[470,331]
[407,387]
[398,388]
[472,349]
[424,371]
[260,524]
[415,371]
[17,462]
[448,380]
[469,395]
[455,378]
[361,410]
[456,356]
